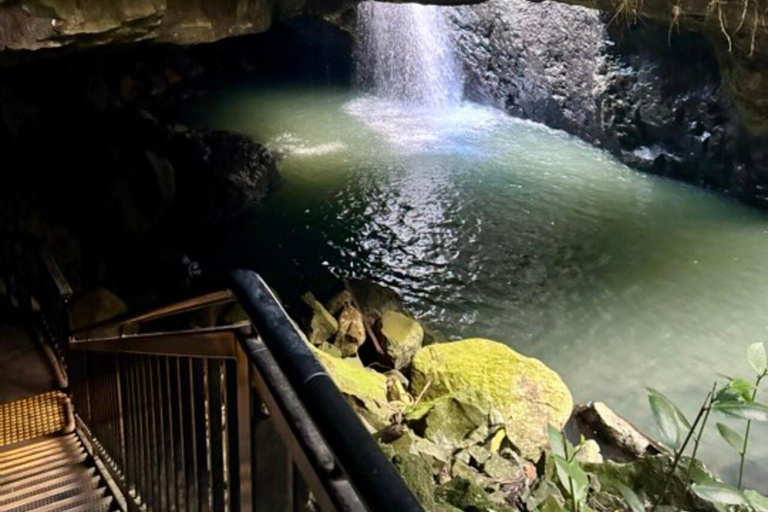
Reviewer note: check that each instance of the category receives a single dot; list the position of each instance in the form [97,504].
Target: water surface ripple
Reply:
[491,226]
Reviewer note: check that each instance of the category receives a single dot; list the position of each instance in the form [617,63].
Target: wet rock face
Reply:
[656,102]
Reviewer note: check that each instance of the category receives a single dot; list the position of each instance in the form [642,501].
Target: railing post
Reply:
[244,436]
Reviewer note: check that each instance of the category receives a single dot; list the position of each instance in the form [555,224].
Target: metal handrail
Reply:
[272,363]
[155,313]
[369,471]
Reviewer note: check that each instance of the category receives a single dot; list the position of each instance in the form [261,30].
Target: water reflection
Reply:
[505,229]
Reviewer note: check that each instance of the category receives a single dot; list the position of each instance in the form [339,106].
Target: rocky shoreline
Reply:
[467,423]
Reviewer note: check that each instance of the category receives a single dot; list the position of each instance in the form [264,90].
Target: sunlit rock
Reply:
[351,332]
[366,389]
[323,325]
[400,336]
[528,394]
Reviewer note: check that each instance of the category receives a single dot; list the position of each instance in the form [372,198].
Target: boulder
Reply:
[503,470]
[366,389]
[528,394]
[451,420]
[374,299]
[465,495]
[417,474]
[340,301]
[96,306]
[322,326]
[590,453]
[617,438]
[351,333]
[401,337]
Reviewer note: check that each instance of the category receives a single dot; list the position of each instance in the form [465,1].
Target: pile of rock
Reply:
[465,422]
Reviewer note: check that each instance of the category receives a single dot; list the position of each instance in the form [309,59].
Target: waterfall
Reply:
[404,52]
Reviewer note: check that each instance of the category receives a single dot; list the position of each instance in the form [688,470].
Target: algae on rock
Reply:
[528,394]
[401,336]
[366,389]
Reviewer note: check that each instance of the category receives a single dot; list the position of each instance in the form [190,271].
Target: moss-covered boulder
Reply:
[366,389]
[322,325]
[401,337]
[528,394]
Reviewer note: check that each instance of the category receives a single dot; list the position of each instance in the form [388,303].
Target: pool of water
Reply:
[495,227]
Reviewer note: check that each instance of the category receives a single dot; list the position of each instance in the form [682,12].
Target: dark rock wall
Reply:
[92,152]
[655,100]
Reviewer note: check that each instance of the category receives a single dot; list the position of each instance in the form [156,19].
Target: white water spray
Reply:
[404,52]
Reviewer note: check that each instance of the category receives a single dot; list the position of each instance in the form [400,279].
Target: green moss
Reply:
[528,394]
[467,496]
[366,388]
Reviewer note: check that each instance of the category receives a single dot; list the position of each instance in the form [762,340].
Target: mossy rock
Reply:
[528,394]
[449,420]
[465,495]
[401,337]
[416,472]
[366,389]
[323,325]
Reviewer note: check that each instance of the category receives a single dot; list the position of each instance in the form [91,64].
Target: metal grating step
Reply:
[33,417]
[52,475]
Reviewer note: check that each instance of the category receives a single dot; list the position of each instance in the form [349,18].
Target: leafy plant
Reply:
[736,399]
[569,472]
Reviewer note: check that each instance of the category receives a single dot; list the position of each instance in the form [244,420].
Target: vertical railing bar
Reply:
[164,426]
[201,433]
[157,421]
[232,449]
[120,412]
[243,433]
[87,381]
[192,478]
[179,435]
[173,498]
[130,432]
[216,435]
[151,446]
[140,405]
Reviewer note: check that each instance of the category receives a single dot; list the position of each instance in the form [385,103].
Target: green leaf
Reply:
[630,497]
[556,440]
[719,493]
[745,410]
[569,472]
[664,414]
[757,501]
[700,476]
[758,357]
[731,437]
[743,388]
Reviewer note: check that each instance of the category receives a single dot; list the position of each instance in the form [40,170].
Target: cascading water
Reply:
[404,52]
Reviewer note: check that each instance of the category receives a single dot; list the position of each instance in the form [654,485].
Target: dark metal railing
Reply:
[233,418]
[33,287]
[172,429]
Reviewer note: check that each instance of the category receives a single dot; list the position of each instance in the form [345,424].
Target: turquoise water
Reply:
[495,227]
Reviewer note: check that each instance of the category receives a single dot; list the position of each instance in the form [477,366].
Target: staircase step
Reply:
[6,463]
[34,486]
[86,499]
[39,446]
[103,505]
[43,495]
[55,463]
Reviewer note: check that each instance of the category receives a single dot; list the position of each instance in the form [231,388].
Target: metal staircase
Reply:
[52,474]
[233,418]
